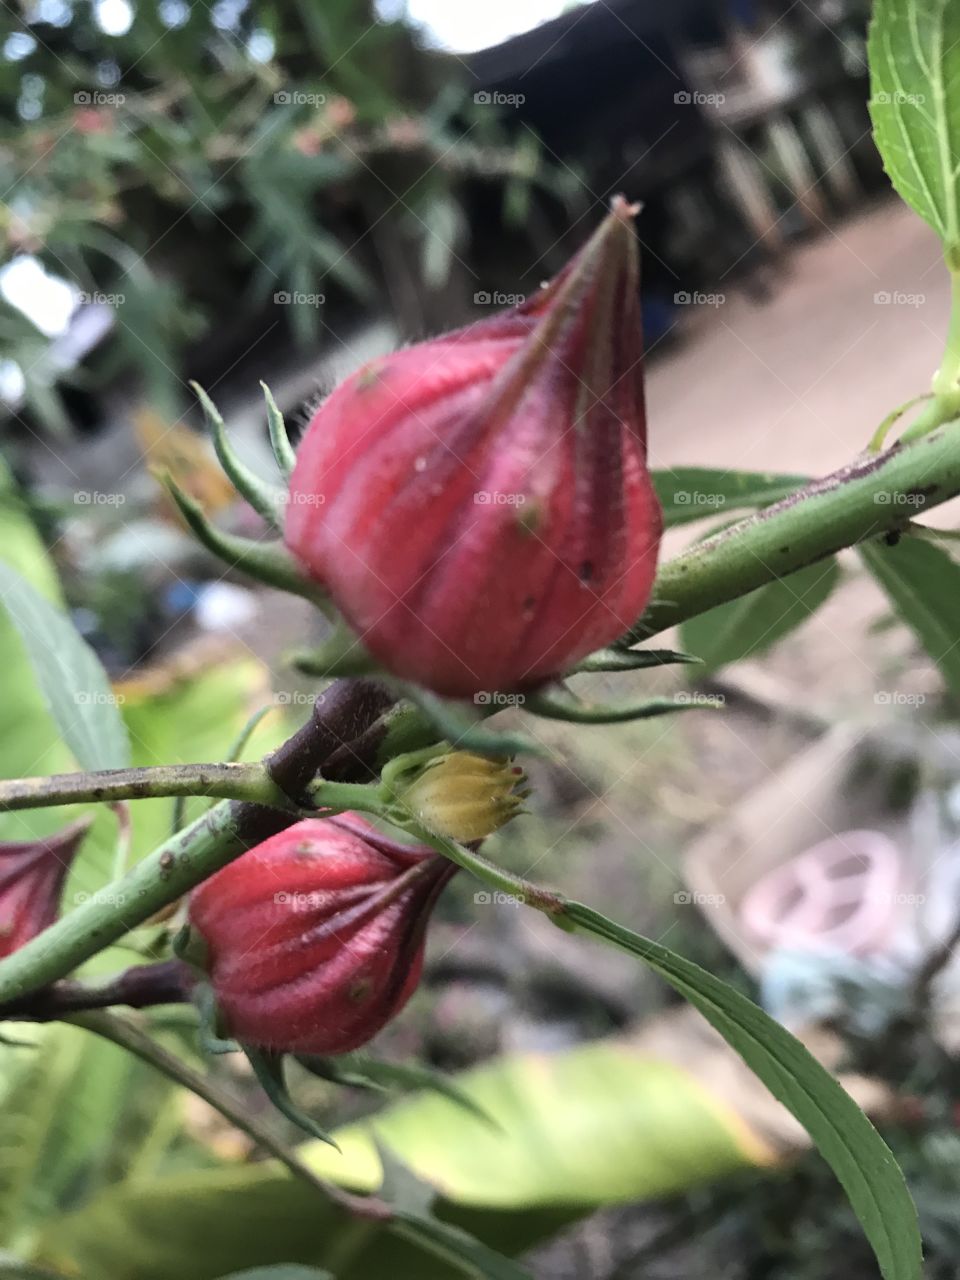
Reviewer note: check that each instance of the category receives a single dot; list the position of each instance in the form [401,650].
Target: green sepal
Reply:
[212,1042]
[358,1071]
[268,562]
[266,499]
[561,704]
[341,654]
[631,659]
[268,1068]
[283,450]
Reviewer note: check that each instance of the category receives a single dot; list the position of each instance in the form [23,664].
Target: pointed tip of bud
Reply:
[623,209]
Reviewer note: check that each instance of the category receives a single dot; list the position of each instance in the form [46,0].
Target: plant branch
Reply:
[342,719]
[250,782]
[126,1035]
[873,495]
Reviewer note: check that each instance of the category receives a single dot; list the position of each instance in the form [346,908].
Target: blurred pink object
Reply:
[840,895]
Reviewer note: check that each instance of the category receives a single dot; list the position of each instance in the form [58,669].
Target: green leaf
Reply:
[840,1131]
[756,621]
[914,54]
[605,1122]
[70,676]
[696,493]
[923,583]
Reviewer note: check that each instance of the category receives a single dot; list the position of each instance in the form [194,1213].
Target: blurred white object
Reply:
[223,607]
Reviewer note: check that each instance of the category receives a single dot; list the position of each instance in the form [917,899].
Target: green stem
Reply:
[869,497]
[947,378]
[945,404]
[249,782]
[170,871]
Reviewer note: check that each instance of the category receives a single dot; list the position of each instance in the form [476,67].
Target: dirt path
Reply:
[800,382]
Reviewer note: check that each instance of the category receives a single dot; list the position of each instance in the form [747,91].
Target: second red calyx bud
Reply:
[313,940]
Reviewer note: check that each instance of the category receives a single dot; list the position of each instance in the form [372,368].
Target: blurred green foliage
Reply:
[187,169]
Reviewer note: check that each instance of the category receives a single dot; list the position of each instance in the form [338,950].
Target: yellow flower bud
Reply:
[464,796]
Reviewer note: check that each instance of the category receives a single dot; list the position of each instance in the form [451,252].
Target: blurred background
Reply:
[278,191]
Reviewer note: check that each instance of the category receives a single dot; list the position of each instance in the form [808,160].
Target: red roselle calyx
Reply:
[314,939]
[479,505]
[32,875]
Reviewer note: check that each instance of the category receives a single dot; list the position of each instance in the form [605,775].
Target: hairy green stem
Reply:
[873,495]
[249,782]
